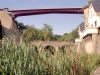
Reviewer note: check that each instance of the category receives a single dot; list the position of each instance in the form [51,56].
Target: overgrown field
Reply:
[24,59]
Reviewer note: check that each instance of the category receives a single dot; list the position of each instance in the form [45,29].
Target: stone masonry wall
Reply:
[8,24]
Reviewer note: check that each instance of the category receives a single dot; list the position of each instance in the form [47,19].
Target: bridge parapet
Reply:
[27,12]
[55,44]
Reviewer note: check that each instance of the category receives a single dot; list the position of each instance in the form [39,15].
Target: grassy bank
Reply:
[24,59]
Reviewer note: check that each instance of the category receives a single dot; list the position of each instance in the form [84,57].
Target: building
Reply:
[90,36]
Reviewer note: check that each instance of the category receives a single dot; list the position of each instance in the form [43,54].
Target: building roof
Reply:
[91,0]
[81,27]
[96,5]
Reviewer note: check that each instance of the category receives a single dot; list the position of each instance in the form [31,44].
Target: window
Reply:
[95,23]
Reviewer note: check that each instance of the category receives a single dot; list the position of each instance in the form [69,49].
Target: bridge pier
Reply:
[8,25]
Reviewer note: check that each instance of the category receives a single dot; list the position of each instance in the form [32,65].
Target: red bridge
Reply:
[27,12]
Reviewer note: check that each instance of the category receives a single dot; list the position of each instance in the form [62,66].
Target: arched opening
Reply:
[1,31]
[50,49]
[64,48]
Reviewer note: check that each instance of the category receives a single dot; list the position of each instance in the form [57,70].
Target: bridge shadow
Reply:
[1,35]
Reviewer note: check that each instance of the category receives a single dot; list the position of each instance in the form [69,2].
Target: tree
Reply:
[47,32]
[30,33]
[71,36]
[20,26]
[58,37]
[65,34]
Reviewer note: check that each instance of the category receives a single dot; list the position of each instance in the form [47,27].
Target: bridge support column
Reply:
[9,27]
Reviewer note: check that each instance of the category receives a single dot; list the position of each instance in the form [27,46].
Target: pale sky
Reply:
[61,23]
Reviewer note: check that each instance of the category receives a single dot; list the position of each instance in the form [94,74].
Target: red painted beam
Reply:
[45,9]
[28,12]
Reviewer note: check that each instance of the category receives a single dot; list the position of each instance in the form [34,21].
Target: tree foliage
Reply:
[71,36]
[32,33]
[46,33]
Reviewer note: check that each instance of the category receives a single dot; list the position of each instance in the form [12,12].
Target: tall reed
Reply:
[25,59]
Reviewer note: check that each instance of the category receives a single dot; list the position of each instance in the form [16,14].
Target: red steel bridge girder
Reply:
[27,12]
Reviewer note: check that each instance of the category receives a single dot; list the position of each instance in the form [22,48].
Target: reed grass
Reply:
[24,59]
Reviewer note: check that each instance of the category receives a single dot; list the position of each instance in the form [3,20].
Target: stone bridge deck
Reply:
[55,44]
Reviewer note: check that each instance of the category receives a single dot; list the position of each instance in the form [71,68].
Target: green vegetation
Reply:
[46,33]
[32,33]
[71,36]
[24,59]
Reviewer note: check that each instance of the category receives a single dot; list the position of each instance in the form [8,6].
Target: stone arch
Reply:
[64,48]
[50,48]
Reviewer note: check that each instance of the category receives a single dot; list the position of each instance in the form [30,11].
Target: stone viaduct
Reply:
[54,44]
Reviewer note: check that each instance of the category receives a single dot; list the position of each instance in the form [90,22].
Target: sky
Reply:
[61,23]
